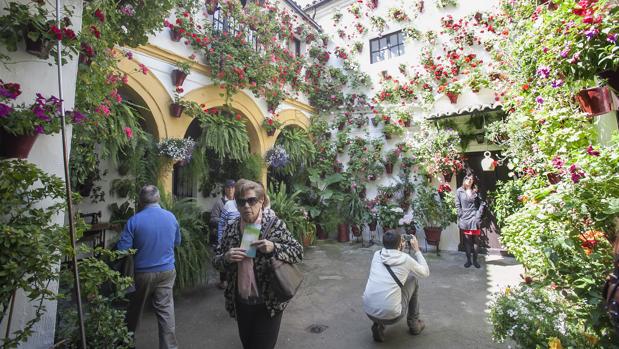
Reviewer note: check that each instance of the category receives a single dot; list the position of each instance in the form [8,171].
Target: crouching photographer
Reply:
[391,292]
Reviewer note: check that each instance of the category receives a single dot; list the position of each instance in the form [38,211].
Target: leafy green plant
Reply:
[288,209]
[122,187]
[225,135]
[192,254]
[251,168]
[102,288]
[389,215]
[30,238]
[432,210]
[506,200]
[299,148]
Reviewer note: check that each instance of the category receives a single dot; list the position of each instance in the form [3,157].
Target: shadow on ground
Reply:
[453,305]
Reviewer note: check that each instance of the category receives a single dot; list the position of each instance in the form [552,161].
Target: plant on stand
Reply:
[434,212]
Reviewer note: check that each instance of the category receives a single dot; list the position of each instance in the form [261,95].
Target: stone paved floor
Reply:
[453,305]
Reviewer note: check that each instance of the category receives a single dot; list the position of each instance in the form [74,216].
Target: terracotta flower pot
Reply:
[595,101]
[175,34]
[16,146]
[356,230]
[453,98]
[433,235]
[341,125]
[178,77]
[176,110]
[342,232]
[447,176]
[553,178]
[389,168]
[372,225]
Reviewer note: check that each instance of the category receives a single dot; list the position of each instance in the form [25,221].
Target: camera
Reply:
[408,237]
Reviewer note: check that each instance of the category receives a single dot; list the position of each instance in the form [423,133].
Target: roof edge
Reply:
[303,14]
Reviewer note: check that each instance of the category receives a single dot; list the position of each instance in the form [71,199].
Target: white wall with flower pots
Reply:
[428,20]
[40,76]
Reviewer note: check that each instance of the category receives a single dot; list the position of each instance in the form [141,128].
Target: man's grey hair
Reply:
[149,194]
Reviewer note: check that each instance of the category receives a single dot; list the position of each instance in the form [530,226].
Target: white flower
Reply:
[397,209]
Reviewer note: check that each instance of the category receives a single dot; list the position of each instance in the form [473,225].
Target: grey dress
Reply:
[470,210]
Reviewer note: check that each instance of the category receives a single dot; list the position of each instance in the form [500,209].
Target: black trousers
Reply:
[256,328]
[470,243]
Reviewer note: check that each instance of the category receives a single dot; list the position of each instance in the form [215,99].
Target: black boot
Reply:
[474,262]
[468,262]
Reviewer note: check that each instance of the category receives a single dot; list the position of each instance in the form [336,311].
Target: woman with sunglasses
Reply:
[249,297]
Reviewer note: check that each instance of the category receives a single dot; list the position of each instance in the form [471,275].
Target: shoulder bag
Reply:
[287,278]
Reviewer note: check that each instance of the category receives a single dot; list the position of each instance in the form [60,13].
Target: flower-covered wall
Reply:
[37,75]
[442,50]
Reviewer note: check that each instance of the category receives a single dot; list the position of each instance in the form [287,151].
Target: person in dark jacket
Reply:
[249,296]
[470,207]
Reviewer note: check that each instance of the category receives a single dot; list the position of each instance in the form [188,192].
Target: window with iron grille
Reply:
[230,25]
[182,183]
[386,47]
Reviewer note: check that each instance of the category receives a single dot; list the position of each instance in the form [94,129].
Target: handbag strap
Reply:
[393,275]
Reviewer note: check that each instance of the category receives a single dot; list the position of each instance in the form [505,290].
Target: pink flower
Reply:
[103,109]
[557,162]
[144,69]
[592,152]
[129,132]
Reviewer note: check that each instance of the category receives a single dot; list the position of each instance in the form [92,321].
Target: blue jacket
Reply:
[154,232]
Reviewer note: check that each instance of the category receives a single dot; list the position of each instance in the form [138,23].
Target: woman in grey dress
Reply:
[470,207]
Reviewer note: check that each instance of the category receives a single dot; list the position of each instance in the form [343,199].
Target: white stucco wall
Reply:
[430,19]
[35,75]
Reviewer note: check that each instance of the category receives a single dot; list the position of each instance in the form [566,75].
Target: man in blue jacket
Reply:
[154,232]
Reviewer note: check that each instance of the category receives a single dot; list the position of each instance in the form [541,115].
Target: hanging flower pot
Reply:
[175,34]
[362,193]
[488,163]
[320,232]
[372,225]
[356,230]
[40,47]
[371,178]
[389,168]
[342,232]
[447,176]
[85,188]
[341,125]
[270,132]
[553,178]
[387,135]
[453,98]
[178,77]
[375,122]
[595,101]
[19,146]
[176,110]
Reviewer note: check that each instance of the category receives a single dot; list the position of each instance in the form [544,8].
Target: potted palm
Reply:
[434,212]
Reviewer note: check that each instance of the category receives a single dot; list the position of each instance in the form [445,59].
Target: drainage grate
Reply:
[317,328]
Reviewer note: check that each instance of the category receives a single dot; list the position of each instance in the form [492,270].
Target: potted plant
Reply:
[389,216]
[211,6]
[376,119]
[453,90]
[180,73]
[277,157]
[321,197]
[390,159]
[271,124]
[390,129]
[178,150]
[433,212]
[595,101]
[178,106]
[121,187]
[404,118]
[21,124]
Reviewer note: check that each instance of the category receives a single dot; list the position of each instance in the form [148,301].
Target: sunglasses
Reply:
[251,201]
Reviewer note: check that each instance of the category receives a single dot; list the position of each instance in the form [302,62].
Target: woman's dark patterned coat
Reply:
[287,249]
